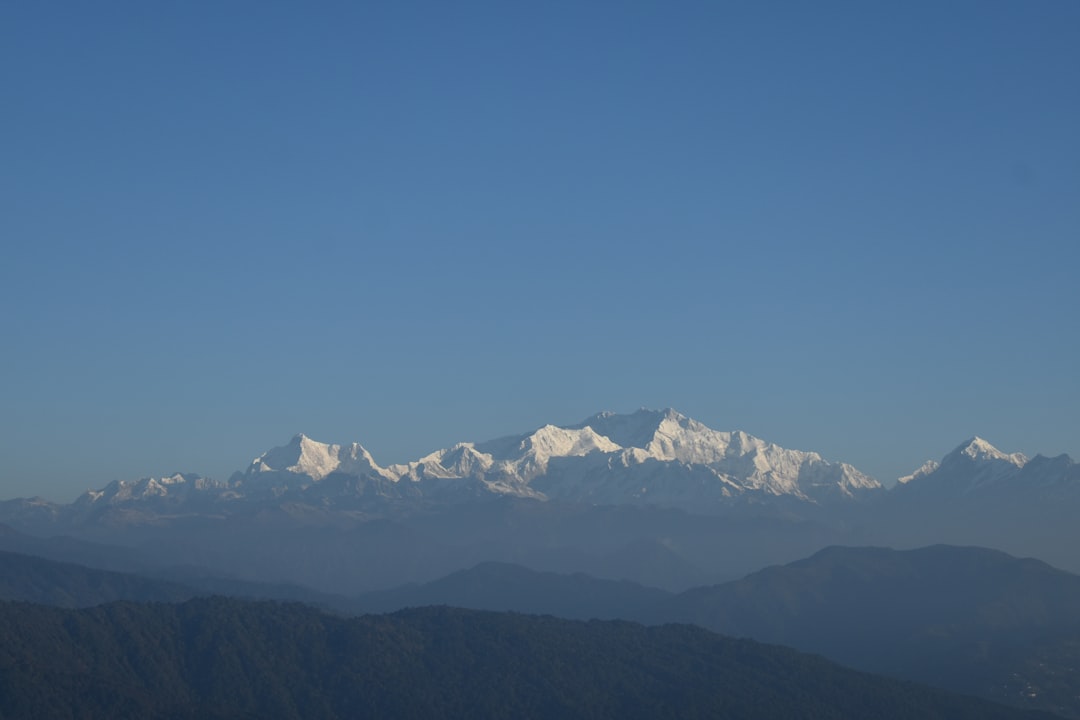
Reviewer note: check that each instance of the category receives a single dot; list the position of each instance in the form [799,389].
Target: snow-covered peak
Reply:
[538,449]
[975,466]
[304,456]
[551,441]
[925,469]
[635,430]
[668,436]
[664,434]
[659,457]
[679,438]
[519,456]
[461,460]
[979,450]
[172,486]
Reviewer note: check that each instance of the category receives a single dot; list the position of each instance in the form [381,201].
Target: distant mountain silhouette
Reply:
[970,619]
[62,548]
[37,580]
[653,497]
[965,619]
[503,586]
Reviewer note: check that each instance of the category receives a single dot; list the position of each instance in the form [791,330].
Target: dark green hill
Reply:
[221,658]
[968,619]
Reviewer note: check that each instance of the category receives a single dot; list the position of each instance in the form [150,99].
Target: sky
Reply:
[849,227]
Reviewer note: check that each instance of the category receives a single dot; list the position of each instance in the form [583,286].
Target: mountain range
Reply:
[648,457]
[652,497]
[968,620]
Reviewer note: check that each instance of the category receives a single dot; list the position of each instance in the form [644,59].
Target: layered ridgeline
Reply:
[979,495]
[653,497]
[969,619]
[965,618]
[219,658]
[647,458]
[659,458]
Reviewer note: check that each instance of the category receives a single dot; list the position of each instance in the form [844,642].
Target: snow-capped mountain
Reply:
[174,488]
[981,464]
[649,457]
[976,470]
[925,469]
[658,458]
[747,462]
[304,461]
[979,495]
[975,466]
[629,494]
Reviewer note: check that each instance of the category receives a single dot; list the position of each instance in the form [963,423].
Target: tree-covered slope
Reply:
[220,658]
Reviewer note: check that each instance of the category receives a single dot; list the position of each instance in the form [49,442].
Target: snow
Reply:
[316,460]
[925,469]
[978,449]
[657,456]
[587,460]
[973,466]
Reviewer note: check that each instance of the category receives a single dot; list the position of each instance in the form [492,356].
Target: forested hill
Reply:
[223,658]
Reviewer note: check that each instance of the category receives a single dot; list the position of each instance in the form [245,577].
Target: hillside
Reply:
[218,658]
[970,619]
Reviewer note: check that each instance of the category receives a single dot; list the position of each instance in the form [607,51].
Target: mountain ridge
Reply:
[973,619]
[660,457]
[650,457]
[224,658]
[867,607]
[568,499]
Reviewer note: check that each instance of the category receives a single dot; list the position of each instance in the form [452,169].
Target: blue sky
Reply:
[842,226]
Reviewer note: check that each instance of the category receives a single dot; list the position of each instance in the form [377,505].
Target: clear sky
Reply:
[850,227]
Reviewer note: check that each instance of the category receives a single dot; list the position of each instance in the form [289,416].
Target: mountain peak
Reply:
[978,444]
[655,457]
[979,450]
[973,466]
[304,456]
[633,430]
[927,468]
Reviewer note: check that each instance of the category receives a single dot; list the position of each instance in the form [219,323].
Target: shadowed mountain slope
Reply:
[969,619]
[502,586]
[37,580]
[220,658]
